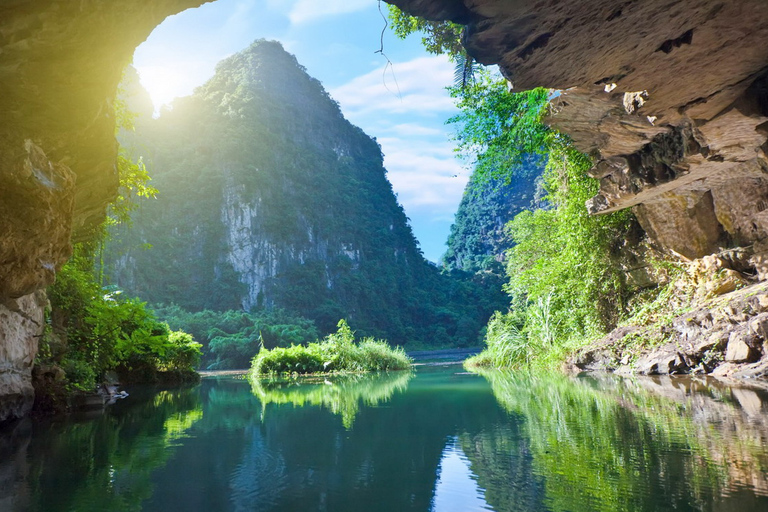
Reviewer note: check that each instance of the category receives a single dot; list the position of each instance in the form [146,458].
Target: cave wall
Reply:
[60,63]
[670,98]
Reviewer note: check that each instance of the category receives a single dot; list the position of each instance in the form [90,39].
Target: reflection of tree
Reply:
[501,459]
[341,394]
[106,463]
[633,443]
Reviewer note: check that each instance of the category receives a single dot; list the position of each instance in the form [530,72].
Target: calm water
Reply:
[437,440]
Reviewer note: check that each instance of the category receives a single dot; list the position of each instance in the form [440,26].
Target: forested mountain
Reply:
[478,240]
[269,198]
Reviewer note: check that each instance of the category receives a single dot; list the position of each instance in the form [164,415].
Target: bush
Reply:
[80,375]
[94,331]
[231,338]
[336,353]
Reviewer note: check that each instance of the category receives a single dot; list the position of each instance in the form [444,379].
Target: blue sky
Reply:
[404,106]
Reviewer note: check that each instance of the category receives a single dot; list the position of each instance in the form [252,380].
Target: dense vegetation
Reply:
[563,276]
[93,330]
[268,198]
[230,338]
[336,353]
[478,238]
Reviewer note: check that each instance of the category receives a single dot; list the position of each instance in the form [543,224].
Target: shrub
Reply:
[96,331]
[336,353]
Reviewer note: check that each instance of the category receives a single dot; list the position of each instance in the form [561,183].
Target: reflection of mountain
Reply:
[304,458]
[340,394]
[639,443]
[562,444]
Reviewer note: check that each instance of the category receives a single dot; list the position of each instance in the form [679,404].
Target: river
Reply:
[437,439]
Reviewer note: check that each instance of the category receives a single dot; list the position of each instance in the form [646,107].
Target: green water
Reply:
[436,440]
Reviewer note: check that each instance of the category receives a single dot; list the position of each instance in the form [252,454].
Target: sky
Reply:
[404,105]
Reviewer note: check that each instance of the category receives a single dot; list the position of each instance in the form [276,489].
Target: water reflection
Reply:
[610,443]
[439,440]
[341,394]
[95,463]
[454,490]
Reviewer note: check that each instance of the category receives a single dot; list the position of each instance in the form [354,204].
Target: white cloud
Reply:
[308,10]
[405,108]
[413,87]
[424,176]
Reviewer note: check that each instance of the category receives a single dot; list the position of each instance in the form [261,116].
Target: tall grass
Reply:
[336,353]
[534,339]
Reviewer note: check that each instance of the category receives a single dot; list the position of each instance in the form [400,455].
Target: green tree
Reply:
[563,279]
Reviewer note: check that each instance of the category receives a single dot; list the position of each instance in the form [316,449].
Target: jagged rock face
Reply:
[21,324]
[268,197]
[60,63]
[669,98]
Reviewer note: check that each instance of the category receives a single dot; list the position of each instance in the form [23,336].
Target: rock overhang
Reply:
[669,98]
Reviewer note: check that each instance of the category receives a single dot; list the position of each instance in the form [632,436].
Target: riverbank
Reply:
[725,336]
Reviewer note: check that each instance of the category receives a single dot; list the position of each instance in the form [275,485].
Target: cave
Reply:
[672,111]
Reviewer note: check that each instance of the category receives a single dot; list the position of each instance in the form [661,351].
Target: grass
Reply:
[534,345]
[336,353]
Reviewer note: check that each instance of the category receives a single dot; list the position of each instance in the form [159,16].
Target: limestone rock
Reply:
[21,323]
[36,205]
[694,59]
[60,63]
[670,101]
[759,325]
[739,349]
[662,362]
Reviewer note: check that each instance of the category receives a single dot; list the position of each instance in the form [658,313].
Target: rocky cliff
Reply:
[268,197]
[670,99]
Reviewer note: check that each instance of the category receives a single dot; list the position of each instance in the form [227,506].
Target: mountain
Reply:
[477,240]
[270,198]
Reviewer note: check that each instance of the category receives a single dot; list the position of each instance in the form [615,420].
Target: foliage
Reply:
[438,37]
[94,331]
[478,240]
[341,394]
[231,338]
[564,283]
[497,129]
[336,353]
[568,255]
